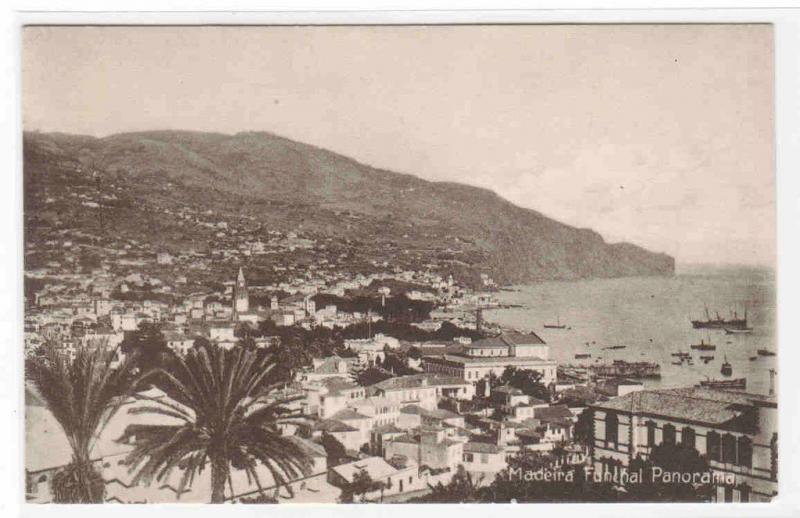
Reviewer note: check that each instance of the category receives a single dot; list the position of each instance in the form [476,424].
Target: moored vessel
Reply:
[703,346]
[726,369]
[738,383]
[733,323]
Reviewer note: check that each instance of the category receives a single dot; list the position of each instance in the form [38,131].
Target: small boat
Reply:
[738,383]
[680,354]
[581,356]
[677,363]
[557,325]
[703,346]
[614,347]
[745,331]
[726,369]
[708,357]
[765,352]
[753,358]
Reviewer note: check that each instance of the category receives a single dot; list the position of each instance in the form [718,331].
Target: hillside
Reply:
[265,181]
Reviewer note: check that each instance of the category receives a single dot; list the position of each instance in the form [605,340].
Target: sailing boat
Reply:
[557,325]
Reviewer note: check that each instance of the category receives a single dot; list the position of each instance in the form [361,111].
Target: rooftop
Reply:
[496,359]
[417,381]
[481,447]
[505,340]
[710,406]
[376,467]
[332,425]
[348,414]
[552,412]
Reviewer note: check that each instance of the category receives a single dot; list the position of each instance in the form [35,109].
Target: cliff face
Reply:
[286,184]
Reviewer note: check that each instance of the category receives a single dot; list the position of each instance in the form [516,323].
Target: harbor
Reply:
[649,318]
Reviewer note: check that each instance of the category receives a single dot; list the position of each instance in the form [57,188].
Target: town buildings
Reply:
[735,431]
[491,356]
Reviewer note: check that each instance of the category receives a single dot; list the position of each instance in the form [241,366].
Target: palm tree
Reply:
[227,416]
[82,394]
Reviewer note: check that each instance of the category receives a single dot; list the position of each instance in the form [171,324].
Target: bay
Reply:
[651,316]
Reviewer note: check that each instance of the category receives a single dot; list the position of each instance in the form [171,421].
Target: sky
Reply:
[659,135]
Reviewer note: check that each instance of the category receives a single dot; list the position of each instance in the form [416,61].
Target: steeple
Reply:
[241,300]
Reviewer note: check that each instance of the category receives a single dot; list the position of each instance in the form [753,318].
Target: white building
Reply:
[492,355]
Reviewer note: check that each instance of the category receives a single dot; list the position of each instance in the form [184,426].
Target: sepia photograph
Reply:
[418,264]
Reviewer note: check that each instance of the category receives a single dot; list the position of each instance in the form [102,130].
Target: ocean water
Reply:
[650,316]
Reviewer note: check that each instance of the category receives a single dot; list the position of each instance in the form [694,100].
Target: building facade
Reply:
[483,358]
[736,433]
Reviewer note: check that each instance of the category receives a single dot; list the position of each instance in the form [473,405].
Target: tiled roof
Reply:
[440,413]
[412,410]
[339,384]
[552,412]
[522,338]
[510,360]
[387,428]
[332,425]
[348,414]
[481,447]
[494,342]
[691,404]
[417,381]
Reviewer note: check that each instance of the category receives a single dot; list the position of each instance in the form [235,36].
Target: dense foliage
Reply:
[226,415]
[82,393]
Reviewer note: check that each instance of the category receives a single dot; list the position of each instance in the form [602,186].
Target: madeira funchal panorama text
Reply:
[623,477]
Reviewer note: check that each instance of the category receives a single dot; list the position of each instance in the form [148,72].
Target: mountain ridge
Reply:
[265,174]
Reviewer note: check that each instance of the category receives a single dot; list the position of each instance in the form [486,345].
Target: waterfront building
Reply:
[735,431]
[482,358]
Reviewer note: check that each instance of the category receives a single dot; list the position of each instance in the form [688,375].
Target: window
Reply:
[745,447]
[484,458]
[713,445]
[468,457]
[612,428]
[728,493]
[668,434]
[744,493]
[651,433]
[729,449]
[688,437]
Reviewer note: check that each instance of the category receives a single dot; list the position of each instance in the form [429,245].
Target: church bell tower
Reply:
[241,302]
